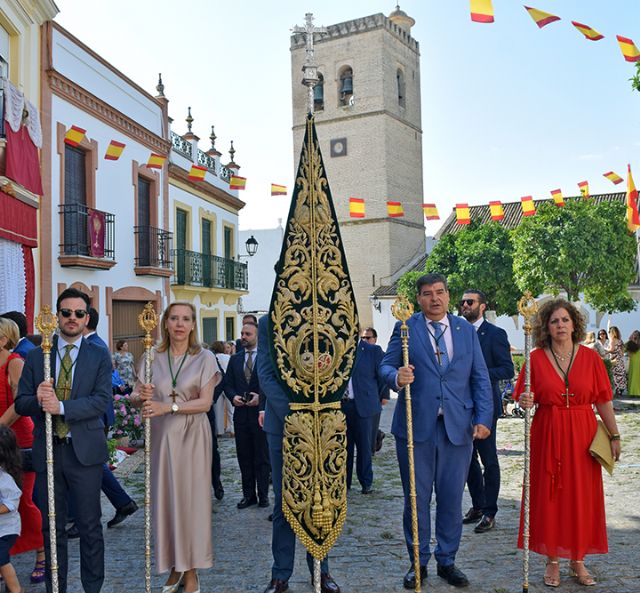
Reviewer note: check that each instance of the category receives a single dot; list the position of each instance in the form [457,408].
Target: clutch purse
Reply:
[600,448]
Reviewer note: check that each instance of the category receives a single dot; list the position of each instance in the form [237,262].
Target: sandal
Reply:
[37,575]
[584,578]
[552,580]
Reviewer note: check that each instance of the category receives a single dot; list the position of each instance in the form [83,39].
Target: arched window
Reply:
[346,86]
[318,94]
[401,87]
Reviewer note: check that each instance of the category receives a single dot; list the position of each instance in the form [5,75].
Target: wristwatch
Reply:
[175,408]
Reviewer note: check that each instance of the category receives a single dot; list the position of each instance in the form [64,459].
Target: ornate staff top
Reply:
[402,309]
[528,309]
[46,324]
[148,320]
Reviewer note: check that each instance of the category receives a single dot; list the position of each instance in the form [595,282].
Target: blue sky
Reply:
[507,109]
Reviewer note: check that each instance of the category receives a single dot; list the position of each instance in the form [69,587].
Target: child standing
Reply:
[10,481]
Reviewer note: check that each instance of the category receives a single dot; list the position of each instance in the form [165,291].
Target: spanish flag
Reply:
[528,207]
[430,212]
[496,210]
[197,173]
[583,186]
[481,11]
[588,32]
[628,49]
[278,190]
[613,177]
[463,214]
[633,217]
[237,182]
[356,207]
[114,150]
[540,17]
[395,209]
[156,161]
[558,200]
[74,136]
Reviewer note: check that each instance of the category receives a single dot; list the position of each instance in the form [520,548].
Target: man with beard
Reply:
[484,487]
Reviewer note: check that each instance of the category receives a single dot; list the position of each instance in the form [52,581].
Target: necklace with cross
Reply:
[565,375]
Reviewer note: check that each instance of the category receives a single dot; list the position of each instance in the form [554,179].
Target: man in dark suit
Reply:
[275,407]
[242,387]
[77,398]
[24,346]
[361,405]
[451,406]
[495,347]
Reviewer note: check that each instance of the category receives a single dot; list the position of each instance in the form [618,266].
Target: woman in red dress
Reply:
[567,518]
[10,371]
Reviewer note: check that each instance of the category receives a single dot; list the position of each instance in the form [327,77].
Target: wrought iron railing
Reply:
[206,160]
[184,147]
[154,247]
[201,269]
[88,232]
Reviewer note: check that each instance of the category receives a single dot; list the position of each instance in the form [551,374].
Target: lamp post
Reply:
[251,245]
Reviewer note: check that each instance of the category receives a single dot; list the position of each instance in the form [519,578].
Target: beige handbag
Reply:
[601,447]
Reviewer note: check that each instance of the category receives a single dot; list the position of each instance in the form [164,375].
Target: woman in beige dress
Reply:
[184,377]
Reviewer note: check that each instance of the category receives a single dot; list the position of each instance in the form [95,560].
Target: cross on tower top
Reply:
[309,68]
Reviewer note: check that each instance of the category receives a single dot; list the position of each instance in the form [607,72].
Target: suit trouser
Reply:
[283,540]
[358,439]
[84,482]
[112,489]
[374,432]
[484,488]
[443,467]
[216,468]
[253,459]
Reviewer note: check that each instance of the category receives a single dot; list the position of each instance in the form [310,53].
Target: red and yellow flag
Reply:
[628,49]
[395,209]
[496,210]
[558,200]
[156,161]
[463,214]
[430,212]
[197,173]
[356,207]
[540,17]
[278,190]
[528,207]
[481,11]
[74,136]
[633,217]
[613,177]
[583,186]
[114,150]
[587,31]
[237,182]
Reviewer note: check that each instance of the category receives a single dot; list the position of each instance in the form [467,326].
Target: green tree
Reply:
[583,248]
[635,80]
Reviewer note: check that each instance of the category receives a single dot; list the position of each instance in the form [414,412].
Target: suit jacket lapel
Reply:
[81,361]
[420,327]
[456,337]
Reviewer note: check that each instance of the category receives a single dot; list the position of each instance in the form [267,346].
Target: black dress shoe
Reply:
[409,581]
[454,576]
[122,513]
[218,492]
[277,586]
[379,438]
[367,490]
[472,516]
[247,502]
[486,524]
[72,532]
[264,503]
[270,517]
[328,585]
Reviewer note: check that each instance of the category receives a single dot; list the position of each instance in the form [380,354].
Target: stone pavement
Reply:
[370,556]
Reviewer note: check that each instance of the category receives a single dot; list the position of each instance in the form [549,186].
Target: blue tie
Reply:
[441,347]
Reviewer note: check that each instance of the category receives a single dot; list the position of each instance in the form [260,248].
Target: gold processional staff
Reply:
[46,323]
[402,309]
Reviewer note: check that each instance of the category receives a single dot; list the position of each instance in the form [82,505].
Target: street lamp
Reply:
[251,245]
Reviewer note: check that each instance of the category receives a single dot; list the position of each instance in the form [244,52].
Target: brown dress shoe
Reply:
[328,585]
[277,586]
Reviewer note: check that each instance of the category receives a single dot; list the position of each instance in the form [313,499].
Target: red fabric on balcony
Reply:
[18,221]
[22,161]
[30,277]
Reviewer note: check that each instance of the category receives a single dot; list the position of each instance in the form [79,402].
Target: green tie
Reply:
[63,389]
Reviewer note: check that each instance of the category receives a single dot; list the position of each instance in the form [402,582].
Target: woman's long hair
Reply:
[10,456]
[541,335]
[194,343]
[633,345]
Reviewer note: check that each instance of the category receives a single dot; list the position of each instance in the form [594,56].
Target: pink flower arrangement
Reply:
[128,422]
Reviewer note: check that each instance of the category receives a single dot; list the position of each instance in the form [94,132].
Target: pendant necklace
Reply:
[174,378]
[565,376]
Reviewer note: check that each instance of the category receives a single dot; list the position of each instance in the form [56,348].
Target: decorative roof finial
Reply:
[189,121]
[213,137]
[160,86]
[232,151]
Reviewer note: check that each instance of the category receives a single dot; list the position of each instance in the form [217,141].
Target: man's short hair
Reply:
[94,319]
[430,280]
[372,331]
[481,296]
[72,293]
[19,319]
[251,317]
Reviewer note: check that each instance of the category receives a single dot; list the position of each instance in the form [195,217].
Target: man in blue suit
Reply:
[24,346]
[451,406]
[274,409]
[77,398]
[495,347]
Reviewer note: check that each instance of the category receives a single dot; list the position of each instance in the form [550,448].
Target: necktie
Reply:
[63,389]
[248,367]
[441,348]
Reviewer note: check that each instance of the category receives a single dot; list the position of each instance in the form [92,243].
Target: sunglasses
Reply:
[468,302]
[66,313]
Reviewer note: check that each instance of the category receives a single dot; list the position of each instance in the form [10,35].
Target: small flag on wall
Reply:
[74,136]
[237,182]
[430,212]
[558,200]
[613,177]
[463,214]
[528,207]
[278,190]
[583,186]
[628,49]
[114,150]
[633,217]
[496,210]
[156,161]
[395,209]
[481,11]
[540,17]
[197,173]
[356,207]
[588,32]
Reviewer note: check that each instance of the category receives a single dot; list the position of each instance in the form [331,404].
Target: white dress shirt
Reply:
[433,334]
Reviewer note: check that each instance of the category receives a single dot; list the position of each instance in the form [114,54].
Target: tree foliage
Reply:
[635,80]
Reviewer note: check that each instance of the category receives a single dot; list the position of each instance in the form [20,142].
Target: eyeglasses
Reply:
[66,313]
[468,302]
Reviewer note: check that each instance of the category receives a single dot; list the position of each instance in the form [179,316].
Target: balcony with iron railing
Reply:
[185,148]
[87,237]
[209,271]
[153,251]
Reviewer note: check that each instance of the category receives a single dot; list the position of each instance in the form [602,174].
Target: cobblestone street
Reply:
[370,556]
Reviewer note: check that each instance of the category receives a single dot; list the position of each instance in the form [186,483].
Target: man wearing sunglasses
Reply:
[484,487]
[77,398]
